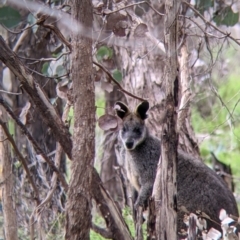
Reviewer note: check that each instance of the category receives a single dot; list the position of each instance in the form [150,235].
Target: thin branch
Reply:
[205,32]
[22,30]
[57,160]
[12,93]
[22,160]
[41,21]
[4,141]
[209,23]
[38,96]
[134,4]
[45,59]
[42,75]
[35,144]
[117,83]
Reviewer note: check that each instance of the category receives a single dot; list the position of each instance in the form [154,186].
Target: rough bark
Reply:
[164,191]
[9,211]
[78,211]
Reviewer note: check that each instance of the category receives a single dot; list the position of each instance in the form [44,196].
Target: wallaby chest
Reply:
[141,163]
[132,170]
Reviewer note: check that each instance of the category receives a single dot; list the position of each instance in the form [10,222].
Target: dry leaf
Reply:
[62,89]
[108,122]
[24,113]
[140,30]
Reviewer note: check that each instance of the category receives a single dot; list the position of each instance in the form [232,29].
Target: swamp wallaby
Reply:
[199,187]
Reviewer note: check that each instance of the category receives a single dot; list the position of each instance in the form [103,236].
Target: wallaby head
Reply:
[134,130]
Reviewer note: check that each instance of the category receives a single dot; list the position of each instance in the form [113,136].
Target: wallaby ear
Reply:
[142,109]
[121,109]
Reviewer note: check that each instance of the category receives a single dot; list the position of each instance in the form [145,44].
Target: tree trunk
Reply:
[78,214]
[9,211]
[164,191]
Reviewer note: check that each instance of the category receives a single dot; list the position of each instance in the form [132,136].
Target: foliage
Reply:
[104,53]
[223,13]
[117,75]
[220,131]
[9,17]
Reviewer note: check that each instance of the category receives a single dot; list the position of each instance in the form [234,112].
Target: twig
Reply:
[42,75]
[57,160]
[47,59]
[12,93]
[134,4]
[209,23]
[35,92]
[41,21]
[117,83]
[4,140]
[35,144]
[22,30]
[22,160]
[20,40]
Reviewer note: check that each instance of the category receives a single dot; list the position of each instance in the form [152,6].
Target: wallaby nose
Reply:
[129,144]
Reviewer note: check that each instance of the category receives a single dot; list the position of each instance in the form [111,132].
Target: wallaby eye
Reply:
[124,129]
[137,131]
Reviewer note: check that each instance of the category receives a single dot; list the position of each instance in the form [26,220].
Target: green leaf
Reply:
[60,71]
[226,17]
[31,20]
[9,17]
[104,53]
[203,5]
[117,75]
[45,68]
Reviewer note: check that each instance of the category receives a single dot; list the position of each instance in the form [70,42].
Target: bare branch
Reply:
[57,161]
[134,4]
[117,83]
[35,144]
[46,59]
[41,21]
[12,93]
[22,160]
[37,95]
[210,24]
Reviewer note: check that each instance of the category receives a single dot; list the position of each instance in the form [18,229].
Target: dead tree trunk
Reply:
[78,215]
[165,192]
